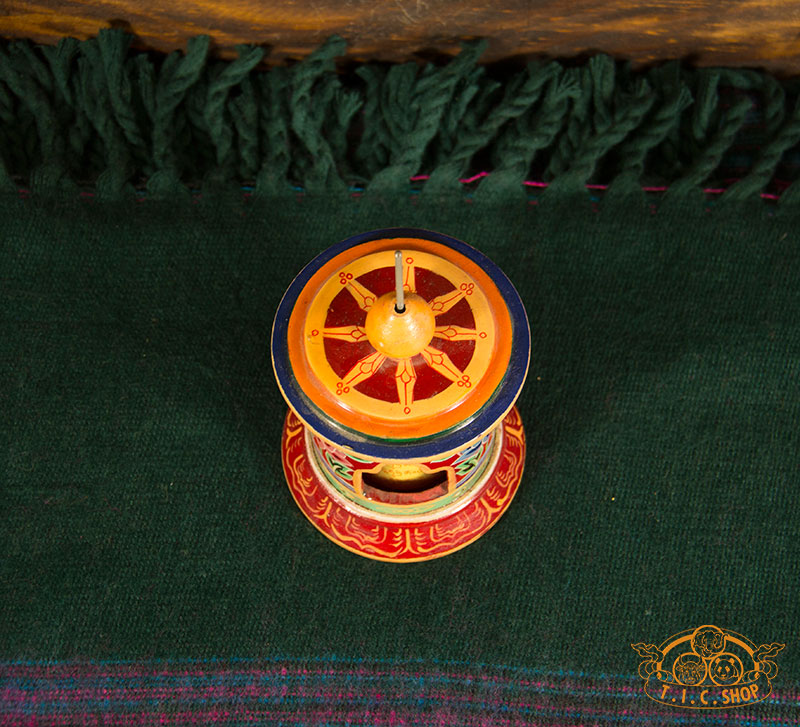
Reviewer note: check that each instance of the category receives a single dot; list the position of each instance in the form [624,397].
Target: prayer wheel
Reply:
[401,353]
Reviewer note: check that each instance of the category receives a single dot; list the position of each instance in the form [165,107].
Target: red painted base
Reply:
[391,539]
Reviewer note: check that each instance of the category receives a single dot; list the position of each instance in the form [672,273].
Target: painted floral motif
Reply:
[404,541]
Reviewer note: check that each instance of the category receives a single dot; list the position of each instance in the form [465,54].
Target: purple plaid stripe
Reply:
[336,691]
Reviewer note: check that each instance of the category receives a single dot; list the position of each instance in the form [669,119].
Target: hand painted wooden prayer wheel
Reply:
[401,353]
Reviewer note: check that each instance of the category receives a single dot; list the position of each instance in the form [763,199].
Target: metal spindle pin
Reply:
[400,302]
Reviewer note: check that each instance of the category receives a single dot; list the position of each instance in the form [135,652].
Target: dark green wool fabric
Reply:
[145,513]
[144,499]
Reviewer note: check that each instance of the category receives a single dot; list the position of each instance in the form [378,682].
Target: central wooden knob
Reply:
[400,335]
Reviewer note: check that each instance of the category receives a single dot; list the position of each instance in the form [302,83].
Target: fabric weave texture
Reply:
[155,569]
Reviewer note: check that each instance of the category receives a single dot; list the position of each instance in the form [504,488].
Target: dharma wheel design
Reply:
[409,366]
[401,353]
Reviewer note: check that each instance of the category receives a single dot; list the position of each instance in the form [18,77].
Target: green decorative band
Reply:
[338,468]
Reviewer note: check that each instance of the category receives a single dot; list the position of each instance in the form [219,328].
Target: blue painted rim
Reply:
[422,448]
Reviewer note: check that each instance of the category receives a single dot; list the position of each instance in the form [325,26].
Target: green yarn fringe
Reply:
[95,114]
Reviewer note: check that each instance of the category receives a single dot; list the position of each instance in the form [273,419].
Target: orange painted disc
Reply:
[430,378]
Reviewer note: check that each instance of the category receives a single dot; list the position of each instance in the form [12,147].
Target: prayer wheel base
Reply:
[394,539]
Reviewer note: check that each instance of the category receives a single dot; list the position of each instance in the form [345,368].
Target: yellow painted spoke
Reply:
[439,361]
[352,334]
[406,378]
[410,282]
[455,333]
[364,297]
[443,303]
[365,368]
